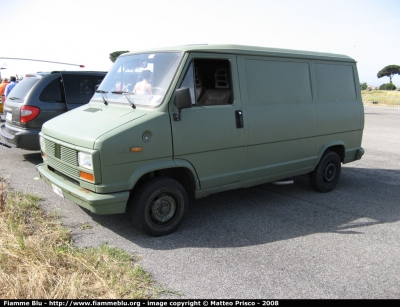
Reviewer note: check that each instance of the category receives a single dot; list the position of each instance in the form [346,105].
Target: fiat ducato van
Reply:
[168,125]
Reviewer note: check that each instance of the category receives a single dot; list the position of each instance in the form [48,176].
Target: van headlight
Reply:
[42,144]
[85,160]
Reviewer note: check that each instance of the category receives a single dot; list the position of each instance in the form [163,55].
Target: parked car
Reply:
[40,97]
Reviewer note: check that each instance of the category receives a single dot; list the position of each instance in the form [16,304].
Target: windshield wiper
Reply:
[14,98]
[103,94]
[127,98]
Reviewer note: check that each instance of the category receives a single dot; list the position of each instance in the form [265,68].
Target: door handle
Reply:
[239,118]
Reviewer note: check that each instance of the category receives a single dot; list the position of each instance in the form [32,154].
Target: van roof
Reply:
[250,50]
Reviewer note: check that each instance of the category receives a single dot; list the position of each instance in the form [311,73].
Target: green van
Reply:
[169,124]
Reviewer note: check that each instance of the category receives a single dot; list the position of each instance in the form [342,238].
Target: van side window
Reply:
[52,92]
[209,82]
[213,82]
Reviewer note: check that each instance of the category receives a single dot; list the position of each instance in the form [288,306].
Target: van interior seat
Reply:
[221,94]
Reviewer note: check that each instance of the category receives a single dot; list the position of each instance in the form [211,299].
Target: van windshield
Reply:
[140,79]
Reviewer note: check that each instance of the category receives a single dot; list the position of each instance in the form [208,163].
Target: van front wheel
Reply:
[327,173]
[159,206]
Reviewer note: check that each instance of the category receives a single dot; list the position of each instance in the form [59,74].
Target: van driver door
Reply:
[210,135]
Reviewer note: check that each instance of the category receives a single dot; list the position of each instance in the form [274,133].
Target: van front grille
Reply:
[62,159]
[69,155]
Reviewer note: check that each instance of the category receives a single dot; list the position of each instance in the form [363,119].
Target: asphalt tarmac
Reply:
[265,242]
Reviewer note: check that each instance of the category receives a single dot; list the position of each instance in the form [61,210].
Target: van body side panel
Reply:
[207,135]
[281,117]
[348,140]
[216,150]
[340,109]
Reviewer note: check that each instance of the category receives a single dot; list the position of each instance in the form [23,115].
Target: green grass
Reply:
[384,98]
[37,259]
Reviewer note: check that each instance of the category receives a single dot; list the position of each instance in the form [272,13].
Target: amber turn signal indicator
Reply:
[87,176]
[136,149]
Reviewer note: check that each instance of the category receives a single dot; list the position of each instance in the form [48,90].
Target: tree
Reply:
[388,87]
[114,55]
[389,71]
[364,86]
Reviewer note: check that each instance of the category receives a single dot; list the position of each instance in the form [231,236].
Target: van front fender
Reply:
[162,165]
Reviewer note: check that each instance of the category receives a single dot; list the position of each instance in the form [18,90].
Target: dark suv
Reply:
[40,97]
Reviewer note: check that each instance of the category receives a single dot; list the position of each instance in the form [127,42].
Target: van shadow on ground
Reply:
[33,157]
[269,213]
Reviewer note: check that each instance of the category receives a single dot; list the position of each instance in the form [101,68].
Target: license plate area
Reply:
[9,116]
[57,190]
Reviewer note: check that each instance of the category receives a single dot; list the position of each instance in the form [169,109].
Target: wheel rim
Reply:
[163,209]
[330,172]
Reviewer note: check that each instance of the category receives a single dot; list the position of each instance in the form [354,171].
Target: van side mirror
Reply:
[183,100]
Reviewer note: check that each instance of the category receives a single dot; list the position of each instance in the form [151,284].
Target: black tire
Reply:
[327,173]
[159,206]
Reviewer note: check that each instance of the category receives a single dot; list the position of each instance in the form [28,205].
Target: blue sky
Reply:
[87,31]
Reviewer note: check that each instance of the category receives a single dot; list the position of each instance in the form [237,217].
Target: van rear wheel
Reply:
[327,173]
[159,206]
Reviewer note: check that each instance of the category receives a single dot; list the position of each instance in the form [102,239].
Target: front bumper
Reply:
[112,203]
